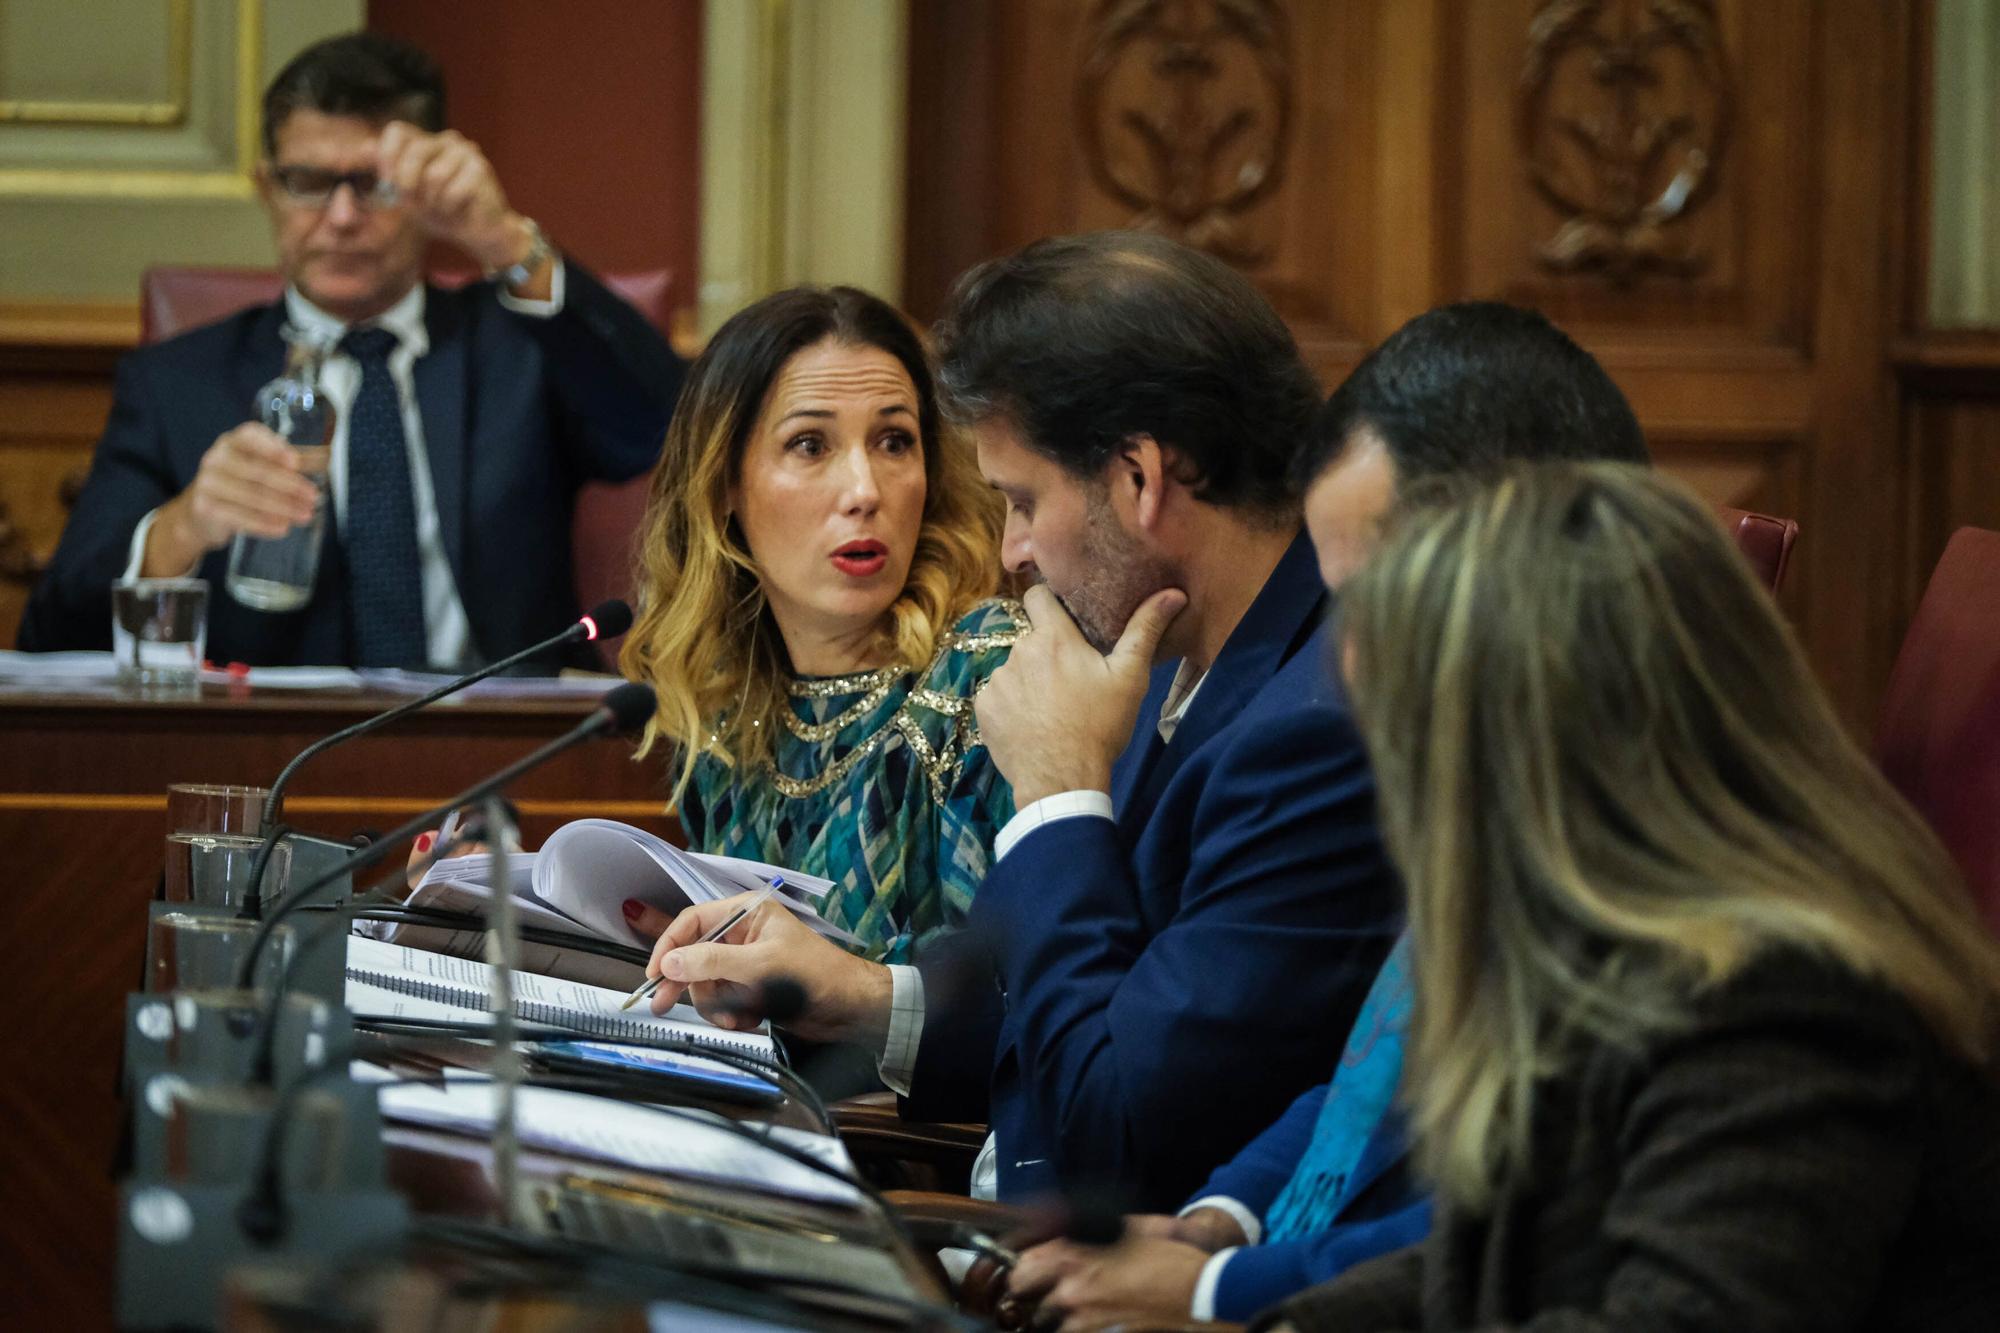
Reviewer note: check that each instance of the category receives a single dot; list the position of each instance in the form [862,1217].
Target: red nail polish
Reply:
[632,908]
[424,841]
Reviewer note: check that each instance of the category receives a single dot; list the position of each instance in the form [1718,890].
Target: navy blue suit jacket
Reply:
[1149,993]
[518,412]
[1379,1209]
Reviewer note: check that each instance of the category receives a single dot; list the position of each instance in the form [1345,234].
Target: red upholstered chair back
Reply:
[1766,542]
[1939,740]
[175,298]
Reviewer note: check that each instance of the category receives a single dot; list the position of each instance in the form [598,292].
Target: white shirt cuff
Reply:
[135,555]
[1202,1307]
[522,305]
[1253,1226]
[906,1028]
[985,1182]
[1062,805]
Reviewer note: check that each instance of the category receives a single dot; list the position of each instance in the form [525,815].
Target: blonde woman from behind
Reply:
[1705,1026]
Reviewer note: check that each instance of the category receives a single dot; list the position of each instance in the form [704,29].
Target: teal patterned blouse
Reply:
[879,783]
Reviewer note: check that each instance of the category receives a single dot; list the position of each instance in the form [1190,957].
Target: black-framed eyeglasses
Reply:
[313,187]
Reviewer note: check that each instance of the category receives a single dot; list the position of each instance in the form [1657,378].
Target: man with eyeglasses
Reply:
[465,420]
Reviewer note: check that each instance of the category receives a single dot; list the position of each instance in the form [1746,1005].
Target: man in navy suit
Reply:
[1187,911]
[465,421]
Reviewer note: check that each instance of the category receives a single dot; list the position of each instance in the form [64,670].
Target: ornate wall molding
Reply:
[220,132]
[1185,112]
[1621,143]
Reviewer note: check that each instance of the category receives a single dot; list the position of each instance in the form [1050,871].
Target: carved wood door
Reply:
[1703,192]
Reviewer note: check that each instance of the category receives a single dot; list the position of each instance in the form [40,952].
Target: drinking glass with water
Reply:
[276,573]
[159,631]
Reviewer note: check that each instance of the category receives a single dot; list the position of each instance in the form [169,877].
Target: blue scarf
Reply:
[1362,1094]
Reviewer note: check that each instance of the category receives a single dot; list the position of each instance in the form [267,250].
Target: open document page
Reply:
[587,868]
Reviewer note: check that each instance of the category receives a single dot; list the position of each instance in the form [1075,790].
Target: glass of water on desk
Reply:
[215,807]
[159,632]
[196,952]
[214,869]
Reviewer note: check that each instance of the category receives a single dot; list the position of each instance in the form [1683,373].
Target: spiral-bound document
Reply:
[395,981]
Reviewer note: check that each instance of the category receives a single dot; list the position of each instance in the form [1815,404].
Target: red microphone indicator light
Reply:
[606,620]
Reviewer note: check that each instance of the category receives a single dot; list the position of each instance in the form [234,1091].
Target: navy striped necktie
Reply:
[385,591]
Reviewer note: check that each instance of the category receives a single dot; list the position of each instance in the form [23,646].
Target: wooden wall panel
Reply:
[1193,119]
[1951,440]
[1703,192]
[1598,149]
[53,403]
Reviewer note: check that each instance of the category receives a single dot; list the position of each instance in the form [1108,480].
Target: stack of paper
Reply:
[642,1137]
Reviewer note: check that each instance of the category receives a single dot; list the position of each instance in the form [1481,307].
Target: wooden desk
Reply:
[83,783]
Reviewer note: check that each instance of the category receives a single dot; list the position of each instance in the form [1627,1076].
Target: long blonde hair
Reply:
[1610,781]
[704,638]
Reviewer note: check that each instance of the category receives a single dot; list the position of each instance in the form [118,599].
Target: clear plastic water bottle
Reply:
[276,573]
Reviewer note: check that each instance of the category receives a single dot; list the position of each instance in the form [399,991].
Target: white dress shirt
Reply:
[906,984]
[447,632]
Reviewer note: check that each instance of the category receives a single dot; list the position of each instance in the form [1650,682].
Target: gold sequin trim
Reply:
[815,732]
[948,704]
[833,686]
[797,788]
[940,766]
[1003,638]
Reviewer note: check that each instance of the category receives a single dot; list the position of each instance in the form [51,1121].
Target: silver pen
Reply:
[735,918]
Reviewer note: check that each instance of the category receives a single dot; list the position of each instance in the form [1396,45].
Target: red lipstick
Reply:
[862,559]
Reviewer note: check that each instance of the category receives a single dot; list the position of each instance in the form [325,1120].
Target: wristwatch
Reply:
[539,253]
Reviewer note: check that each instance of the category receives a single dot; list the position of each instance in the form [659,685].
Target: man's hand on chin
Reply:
[1056,716]
[846,998]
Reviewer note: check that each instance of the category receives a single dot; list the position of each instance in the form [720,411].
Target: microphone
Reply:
[262,1215]
[623,709]
[606,620]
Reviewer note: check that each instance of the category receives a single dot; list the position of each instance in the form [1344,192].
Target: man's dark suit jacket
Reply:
[518,412]
[1152,992]
[1805,1159]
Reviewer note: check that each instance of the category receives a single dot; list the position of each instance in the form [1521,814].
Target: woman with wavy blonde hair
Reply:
[1705,1026]
[815,576]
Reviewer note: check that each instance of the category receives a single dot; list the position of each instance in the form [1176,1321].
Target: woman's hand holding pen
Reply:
[846,998]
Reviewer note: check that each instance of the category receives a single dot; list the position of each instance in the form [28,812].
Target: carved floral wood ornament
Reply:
[20,563]
[1184,108]
[1623,117]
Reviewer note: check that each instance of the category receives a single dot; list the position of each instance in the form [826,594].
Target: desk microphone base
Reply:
[177,1244]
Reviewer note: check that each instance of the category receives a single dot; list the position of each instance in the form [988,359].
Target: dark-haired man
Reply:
[1458,389]
[465,420]
[1183,918]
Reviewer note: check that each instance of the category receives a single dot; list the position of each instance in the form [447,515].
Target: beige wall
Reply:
[134,149]
[1965,165]
[802,148]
